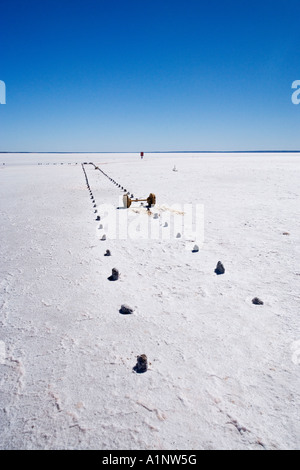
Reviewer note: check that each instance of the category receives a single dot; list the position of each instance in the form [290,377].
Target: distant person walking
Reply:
[142,155]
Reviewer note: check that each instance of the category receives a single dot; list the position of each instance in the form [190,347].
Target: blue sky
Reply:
[116,75]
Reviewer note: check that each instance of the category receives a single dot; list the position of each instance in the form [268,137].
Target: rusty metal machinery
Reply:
[151,200]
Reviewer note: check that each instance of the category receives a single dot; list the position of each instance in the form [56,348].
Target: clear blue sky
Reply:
[127,75]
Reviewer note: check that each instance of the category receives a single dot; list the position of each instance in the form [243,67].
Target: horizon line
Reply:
[158,151]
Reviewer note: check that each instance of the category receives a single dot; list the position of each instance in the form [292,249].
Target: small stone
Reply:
[257,301]
[98,217]
[195,249]
[166,224]
[220,268]
[155,215]
[178,235]
[103,237]
[114,275]
[142,364]
[126,310]
[107,253]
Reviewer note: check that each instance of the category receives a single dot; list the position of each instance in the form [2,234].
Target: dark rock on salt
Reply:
[257,301]
[126,310]
[114,275]
[142,364]
[220,268]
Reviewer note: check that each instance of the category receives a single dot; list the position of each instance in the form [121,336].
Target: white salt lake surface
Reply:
[223,373]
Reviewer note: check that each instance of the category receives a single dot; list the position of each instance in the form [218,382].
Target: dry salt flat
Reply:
[223,373]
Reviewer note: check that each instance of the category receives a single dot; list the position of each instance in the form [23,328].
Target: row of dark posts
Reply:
[112,180]
[142,361]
